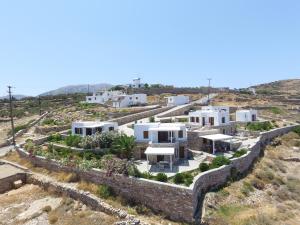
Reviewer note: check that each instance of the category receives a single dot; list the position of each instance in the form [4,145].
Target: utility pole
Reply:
[208,90]
[11,115]
[40,106]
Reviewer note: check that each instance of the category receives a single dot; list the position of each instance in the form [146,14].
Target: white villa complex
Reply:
[210,116]
[102,97]
[177,100]
[122,101]
[85,128]
[161,142]
[246,115]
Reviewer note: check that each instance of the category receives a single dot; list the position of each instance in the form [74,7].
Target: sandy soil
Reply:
[31,205]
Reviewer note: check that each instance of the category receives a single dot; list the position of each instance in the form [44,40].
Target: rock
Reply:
[17,184]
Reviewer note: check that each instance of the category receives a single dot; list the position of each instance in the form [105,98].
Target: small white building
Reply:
[85,128]
[166,141]
[122,101]
[210,116]
[136,83]
[177,100]
[246,115]
[102,97]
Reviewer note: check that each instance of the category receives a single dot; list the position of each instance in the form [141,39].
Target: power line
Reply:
[11,115]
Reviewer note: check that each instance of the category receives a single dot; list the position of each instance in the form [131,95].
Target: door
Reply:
[163,136]
[160,158]
[253,117]
[181,152]
[203,121]
[211,121]
[88,131]
[143,155]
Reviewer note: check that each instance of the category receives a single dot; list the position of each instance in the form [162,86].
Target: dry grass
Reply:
[269,195]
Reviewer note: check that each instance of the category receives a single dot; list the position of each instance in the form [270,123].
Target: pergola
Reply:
[161,151]
[217,137]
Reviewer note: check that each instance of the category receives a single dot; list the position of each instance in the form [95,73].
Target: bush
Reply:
[73,140]
[246,188]
[152,119]
[297,130]
[260,126]
[239,153]
[55,137]
[219,161]
[258,184]
[188,181]
[203,167]
[162,177]
[178,178]
[105,191]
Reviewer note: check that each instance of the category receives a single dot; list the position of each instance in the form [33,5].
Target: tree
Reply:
[124,146]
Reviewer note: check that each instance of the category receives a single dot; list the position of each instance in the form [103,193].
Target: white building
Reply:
[246,115]
[166,141]
[136,83]
[84,128]
[177,100]
[122,101]
[102,97]
[210,116]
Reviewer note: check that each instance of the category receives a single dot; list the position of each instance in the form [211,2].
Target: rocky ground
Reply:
[30,205]
[270,195]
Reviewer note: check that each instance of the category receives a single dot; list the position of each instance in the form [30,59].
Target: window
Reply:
[192,119]
[180,134]
[203,121]
[136,98]
[146,134]
[88,131]
[111,128]
[130,98]
[197,119]
[223,119]
[78,130]
[211,121]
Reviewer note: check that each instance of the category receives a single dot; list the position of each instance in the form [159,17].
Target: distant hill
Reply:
[291,86]
[81,88]
[18,97]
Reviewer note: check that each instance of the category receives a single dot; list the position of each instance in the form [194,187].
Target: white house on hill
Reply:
[177,100]
[136,83]
[102,97]
[85,128]
[210,116]
[122,101]
[166,141]
[246,115]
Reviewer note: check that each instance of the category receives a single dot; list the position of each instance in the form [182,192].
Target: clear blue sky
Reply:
[48,44]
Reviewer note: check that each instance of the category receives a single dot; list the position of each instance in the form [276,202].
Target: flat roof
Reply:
[164,128]
[217,137]
[92,124]
[160,151]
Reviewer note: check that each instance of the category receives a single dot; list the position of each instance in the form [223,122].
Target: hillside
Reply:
[291,86]
[81,88]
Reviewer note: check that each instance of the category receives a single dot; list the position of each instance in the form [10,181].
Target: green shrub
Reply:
[55,137]
[105,191]
[219,161]
[134,171]
[259,126]
[239,153]
[203,167]
[178,178]
[73,140]
[147,175]
[297,130]
[162,177]
[152,119]
[188,181]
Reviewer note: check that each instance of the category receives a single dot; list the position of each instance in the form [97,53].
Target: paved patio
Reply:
[178,167]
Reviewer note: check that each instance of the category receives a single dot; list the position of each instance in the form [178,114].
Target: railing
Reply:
[164,145]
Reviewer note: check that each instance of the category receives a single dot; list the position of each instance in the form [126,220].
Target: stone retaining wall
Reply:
[138,116]
[215,178]
[177,112]
[6,184]
[46,129]
[160,197]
